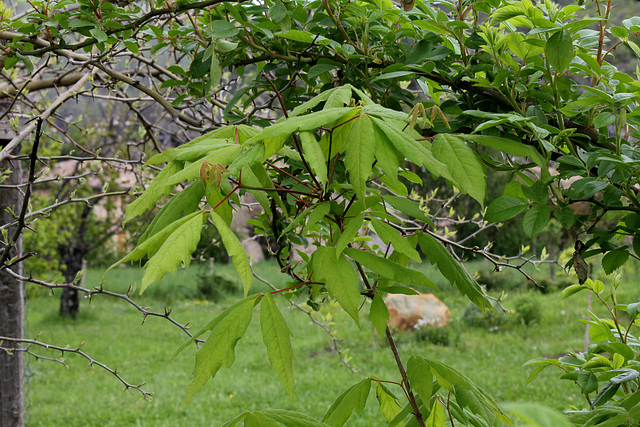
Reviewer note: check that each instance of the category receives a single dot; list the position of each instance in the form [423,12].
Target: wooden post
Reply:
[11,296]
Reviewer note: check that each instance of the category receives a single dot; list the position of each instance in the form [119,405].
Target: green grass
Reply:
[113,333]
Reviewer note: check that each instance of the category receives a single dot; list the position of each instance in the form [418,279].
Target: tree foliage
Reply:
[323,111]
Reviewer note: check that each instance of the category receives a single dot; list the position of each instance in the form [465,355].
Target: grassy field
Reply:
[112,332]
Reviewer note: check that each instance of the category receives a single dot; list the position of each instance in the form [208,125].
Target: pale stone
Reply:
[410,312]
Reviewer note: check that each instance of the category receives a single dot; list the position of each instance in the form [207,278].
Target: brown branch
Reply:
[145,394]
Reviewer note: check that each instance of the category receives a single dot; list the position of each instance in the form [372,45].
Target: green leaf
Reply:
[389,407]
[184,203]
[407,207]
[390,235]
[235,250]
[436,417]
[353,399]
[218,203]
[613,260]
[301,123]
[379,315]
[535,219]
[359,153]
[387,268]
[565,217]
[296,35]
[350,231]
[151,245]
[156,189]
[452,270]
[176,250]
[313,154]
[573,289]
[605,394]
[535,415]
[215,71]
[505,207]
[465,167]
[411,149]
[276,336]
[420,377]
[289,418]
[587,381]
[339,278]
[559,50]
[226,331]
[221,29]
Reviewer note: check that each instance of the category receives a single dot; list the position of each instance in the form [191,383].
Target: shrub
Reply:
[473,316]
[214,285]
[437,336]
[527,310]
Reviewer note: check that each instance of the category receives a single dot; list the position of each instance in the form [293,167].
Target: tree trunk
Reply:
[72,260]
[11,313]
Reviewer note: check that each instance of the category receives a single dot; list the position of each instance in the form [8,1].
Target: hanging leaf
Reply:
[354,399]
[387,268]
[436,417]
[379,315]
[613,260]
[226,330]
[452,270]
[313,154]
[156,189]
[235,250]
[350,232]
[276,336]
[184,203]
[407,207]
[359,153]
[387,402]
[420,377]
[339,278]
[559,50]
[175,251]
[504,208]
[535,219]
[465,167]
[390,235]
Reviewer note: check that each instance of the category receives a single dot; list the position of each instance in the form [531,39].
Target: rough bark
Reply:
[11,316]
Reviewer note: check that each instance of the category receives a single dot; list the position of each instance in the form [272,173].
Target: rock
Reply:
[409,312]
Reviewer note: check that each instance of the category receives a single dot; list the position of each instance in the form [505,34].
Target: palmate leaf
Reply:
[452,270]
[307,122]
[235,250]
[313,154]
[184,203]
[176,250]
[359,149]
[219,349]
[413,150]
[156,189]
[176,172]
[339,278]
[465,167]
[189,152]
[276,336]
[353,399]
[150,246]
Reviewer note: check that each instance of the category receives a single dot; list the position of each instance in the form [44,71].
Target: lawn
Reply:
[113,333]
